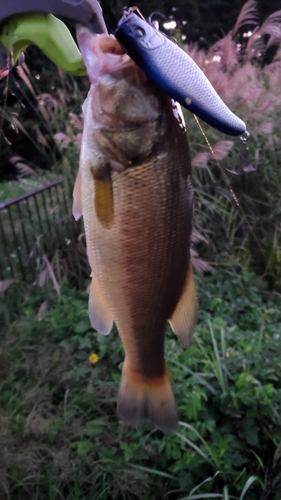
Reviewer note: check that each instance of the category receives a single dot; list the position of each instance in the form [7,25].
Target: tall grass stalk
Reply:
[236,66]
[217,365]
[225,495]
[210,456]
[200,377]
[204,496]
[247,486]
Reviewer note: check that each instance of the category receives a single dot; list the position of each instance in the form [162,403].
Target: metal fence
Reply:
[33,227]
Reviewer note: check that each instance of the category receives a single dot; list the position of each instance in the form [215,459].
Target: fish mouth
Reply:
[101,53]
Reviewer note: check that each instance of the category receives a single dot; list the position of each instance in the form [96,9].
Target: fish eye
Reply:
[139,31]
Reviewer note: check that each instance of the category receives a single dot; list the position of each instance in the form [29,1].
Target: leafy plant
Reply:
[59,381]
[241,212]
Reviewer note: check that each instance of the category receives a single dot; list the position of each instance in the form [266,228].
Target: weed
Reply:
[60,432]
[241,212]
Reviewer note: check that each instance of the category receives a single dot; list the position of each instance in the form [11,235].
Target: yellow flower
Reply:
[93,358]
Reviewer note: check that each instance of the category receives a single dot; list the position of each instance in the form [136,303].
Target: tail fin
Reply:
[144,399]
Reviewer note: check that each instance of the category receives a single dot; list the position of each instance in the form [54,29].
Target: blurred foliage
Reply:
[241,210]
[237,214]
[205,20]
[34,105]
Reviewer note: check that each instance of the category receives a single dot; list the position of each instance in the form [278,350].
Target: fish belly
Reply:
[140,262]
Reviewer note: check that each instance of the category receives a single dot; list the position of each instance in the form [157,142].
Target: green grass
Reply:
[18,187]
[60,437]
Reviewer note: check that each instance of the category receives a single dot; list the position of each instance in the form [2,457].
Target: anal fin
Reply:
[99,313]
[77,197]
[183,319]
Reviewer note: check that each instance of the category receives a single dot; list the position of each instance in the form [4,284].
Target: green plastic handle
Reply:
[49,34]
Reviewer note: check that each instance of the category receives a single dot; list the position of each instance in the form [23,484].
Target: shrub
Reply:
[242,211]
[59,380]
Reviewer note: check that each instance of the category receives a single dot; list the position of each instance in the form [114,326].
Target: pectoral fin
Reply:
[77,198]
[104,205]
[99,314]
[183,319]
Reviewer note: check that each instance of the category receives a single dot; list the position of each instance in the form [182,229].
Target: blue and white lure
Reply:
[175,72]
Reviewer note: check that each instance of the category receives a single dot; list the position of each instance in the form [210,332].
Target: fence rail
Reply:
[33,226]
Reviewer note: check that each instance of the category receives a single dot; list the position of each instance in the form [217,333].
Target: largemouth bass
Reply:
[134,191]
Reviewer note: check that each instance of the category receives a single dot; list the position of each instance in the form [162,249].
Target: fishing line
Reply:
[240,208]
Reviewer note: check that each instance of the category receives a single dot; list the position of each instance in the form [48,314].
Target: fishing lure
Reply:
[173,70]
